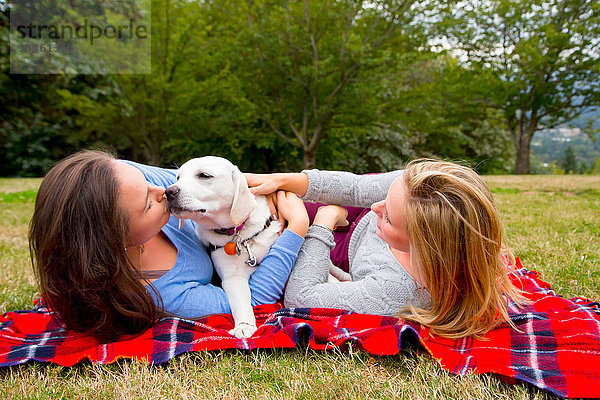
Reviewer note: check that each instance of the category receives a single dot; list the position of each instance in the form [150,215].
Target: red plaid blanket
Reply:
[558,348]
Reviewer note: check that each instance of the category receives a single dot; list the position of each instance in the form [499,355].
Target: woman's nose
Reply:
[376,207]
[160,192]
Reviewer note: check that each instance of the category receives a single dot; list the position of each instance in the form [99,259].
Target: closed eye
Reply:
[203,175]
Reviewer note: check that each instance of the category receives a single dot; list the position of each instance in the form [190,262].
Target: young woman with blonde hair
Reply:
[430,250]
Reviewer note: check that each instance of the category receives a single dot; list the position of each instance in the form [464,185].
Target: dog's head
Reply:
[211,191]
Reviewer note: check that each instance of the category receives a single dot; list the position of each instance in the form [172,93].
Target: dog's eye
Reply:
[203,175]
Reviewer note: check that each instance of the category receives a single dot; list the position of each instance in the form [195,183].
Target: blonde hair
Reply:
[456,244]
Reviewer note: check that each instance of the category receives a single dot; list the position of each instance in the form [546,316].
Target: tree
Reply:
[545,56]
[569,161]
[33,127]
[443,108]
[37,127]
[315,66]
[174,112]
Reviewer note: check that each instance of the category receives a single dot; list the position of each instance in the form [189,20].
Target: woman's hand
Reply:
[272,203]
[270,183]
[331,216]
[291,209]
[263,183]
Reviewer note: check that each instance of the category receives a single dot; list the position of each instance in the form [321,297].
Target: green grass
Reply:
[552,224]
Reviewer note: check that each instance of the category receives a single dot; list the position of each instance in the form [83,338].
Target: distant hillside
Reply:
[549,145]
[591,115]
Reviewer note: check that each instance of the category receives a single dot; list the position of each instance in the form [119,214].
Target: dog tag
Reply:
[180,224]
[231,248]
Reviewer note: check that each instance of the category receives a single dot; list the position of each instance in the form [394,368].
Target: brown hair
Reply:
[456,243]
[76,240]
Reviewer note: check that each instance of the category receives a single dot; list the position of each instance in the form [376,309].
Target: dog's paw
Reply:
[243,330]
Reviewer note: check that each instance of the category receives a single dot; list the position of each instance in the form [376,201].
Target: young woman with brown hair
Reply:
[100,232]
[430,250]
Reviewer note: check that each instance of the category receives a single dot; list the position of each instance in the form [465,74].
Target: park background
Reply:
[509,86]
[364,86]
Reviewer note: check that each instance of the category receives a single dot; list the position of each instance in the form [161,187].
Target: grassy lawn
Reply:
[552,224]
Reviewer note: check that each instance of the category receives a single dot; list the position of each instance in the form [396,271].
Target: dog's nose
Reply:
[172,192]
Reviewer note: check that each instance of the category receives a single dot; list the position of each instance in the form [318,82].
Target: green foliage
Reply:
[36,127]
[543,55]
[443,111]
[315,71]
[551,145]
[337,85]
[569,161]
[64,37]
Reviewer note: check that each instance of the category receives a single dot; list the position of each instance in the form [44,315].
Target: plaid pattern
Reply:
[558,348]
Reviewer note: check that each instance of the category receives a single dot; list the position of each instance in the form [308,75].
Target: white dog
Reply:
[231,221]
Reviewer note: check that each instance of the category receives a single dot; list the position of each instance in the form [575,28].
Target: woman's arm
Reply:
[191,299]
[371,295]
[348,189]
[295,182]
[383,289]
[308,286]
[311,270]
[330,187]
[267,282]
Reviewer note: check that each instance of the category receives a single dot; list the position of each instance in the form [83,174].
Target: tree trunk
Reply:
[522,143]
[155,152]
[309,159]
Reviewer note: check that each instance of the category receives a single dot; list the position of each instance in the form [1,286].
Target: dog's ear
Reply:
[243,200]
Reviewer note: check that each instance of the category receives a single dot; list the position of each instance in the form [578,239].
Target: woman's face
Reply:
[145,204]
[391,222]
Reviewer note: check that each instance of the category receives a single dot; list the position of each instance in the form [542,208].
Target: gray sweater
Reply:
[380,285]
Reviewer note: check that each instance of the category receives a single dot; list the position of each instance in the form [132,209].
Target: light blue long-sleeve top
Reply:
[186,290]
